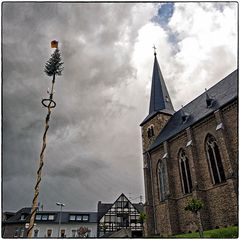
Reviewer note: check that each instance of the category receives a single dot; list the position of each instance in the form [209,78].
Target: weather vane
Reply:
[53,67]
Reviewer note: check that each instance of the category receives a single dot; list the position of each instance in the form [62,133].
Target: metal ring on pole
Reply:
[48,103]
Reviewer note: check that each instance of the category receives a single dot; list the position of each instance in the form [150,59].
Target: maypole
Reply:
[53,67]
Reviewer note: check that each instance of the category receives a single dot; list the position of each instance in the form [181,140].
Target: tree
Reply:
[142,218]
[54,66]
[194,206]
[103,227]
[83,232]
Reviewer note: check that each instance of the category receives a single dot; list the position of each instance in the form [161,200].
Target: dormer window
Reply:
[209,100]
[85,218]
[150,131]
[44,217]
[185,116]
[78,217]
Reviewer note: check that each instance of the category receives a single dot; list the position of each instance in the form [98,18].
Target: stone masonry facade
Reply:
[220,209]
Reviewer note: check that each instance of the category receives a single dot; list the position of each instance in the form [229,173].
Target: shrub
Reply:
[231,232]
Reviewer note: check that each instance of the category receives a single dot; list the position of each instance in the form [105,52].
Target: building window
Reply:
[16,232]
[22,232]
[63,233]
[185,172]
[23,217]
[162,179]
[49,232]
[51,217]
[74,233]
[214,160]
[85,218]
[44,217]
[150,131]
[79,218]
[72,217]
[36,232]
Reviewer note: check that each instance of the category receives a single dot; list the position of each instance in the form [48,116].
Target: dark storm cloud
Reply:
[94,140]
[95,43]
[79,168]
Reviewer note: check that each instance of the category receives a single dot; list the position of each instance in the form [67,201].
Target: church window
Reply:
[214,159]
[185,172]
[150,131]
[162,180]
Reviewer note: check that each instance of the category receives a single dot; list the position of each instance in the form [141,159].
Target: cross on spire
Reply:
[154,50]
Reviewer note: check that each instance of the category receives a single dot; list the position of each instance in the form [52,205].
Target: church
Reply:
[190,153]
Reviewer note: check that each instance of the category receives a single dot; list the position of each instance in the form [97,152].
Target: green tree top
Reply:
[142,217]
[194,205]
[54,65]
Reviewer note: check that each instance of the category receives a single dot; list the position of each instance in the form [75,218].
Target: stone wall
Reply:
[158,121]
[220,200]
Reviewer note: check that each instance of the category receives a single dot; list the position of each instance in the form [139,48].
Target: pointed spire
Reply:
[160,99]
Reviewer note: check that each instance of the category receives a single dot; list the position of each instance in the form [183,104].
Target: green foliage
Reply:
[54,65]
[103,226]
[194,205]
[229,232]
[142,217]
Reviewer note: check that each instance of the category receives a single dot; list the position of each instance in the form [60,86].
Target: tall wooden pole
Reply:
[52,68]
[50,104]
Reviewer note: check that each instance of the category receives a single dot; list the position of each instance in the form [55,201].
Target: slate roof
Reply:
[17,216]
[222,93]
[65,216]
[159,99]
[103,208]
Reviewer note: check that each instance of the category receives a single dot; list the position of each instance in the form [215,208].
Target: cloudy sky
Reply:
[94,142]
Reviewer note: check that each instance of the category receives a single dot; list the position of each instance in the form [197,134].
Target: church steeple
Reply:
[160,108]
[160,99]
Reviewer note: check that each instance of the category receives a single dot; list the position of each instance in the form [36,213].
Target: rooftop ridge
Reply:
[208,90]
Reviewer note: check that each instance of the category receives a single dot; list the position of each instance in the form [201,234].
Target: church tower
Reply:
[160,111]
[160,108]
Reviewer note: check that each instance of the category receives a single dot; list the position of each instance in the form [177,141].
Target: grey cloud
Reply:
[85,119]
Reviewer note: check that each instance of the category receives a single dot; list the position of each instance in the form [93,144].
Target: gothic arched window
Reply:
[214,159]
[162,177]
[185,172]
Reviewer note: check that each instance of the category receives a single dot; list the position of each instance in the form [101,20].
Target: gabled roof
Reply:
[160,100]
[104,207]
[222,93]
